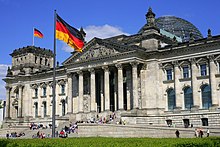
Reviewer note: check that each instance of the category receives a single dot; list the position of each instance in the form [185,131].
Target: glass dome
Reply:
[178,27]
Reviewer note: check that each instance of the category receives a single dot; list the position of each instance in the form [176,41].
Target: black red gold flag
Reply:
[69,34]
[37,33]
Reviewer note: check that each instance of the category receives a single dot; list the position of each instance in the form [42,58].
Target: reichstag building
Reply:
[167,73]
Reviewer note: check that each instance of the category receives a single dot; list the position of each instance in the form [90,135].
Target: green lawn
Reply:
[114,142]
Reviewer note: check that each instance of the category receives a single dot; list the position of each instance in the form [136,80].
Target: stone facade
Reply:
[144,78]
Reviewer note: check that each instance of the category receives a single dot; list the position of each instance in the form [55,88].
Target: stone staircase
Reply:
[113,130]
[117,130]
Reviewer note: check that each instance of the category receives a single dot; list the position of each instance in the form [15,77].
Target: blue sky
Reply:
[100,18]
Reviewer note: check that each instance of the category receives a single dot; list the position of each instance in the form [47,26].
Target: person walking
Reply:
[207,131]
[177,134]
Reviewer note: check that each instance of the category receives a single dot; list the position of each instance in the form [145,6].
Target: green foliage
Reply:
[1,104]
[113,142]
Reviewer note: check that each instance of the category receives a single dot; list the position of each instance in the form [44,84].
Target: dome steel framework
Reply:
[178,27]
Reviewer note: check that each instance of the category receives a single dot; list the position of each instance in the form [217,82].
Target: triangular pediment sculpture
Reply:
[95,49]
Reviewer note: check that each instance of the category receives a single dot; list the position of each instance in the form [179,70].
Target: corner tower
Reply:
[30,59]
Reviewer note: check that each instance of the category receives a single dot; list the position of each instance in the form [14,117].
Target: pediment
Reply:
[97,51]
[93,50]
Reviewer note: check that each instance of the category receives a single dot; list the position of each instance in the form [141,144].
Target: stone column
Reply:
[80,99]
[120,87]
[70,93]
[20,98]
[115,91]
[102,92]
[128,88]
[177,87]
[194,72]
[92,89]
[8,92]
[212,72]
[135,84]
[106,88]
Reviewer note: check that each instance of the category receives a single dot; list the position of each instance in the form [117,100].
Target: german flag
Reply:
[37,33]
[69,34]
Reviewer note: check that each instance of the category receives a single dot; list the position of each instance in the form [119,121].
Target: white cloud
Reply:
[102,32]
[3,72]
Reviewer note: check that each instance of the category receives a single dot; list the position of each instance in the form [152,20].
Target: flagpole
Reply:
[33,37]
[54,79]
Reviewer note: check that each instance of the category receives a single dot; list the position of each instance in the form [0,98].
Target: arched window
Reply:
[36,109]
[206,97]
[63,107]
[171,99]
[188,99]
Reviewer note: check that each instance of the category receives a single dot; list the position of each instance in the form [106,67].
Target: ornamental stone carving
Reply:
[61,82]
[119,66]
[34,86]
[97,51]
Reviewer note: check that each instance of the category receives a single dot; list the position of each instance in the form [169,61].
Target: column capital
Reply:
[69,75]
[105,68]
[134,64]
[192,60]
[119,65]
[80,72]
[91,70]
[211,58]
[144,67]
[175,63]
[20,86]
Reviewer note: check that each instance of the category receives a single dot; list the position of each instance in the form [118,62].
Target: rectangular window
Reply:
[36,93]
[185,72]
[62,89]
[203,69]
[169,74]
[44,91]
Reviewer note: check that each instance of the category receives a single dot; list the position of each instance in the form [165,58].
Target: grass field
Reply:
[114,142]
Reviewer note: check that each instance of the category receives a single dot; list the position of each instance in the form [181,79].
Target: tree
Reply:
[1,104]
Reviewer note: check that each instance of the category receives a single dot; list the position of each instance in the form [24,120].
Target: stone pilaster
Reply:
[20,101]
[143,86]
[106,88]
[135,85]
[120,87]
[92,89]
[194,72]
[48,100]
[70,93]
[80,98]
[177,87]
[213,71]
[8,102]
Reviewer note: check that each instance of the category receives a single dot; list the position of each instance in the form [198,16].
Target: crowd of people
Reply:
[198,133]
[14,134]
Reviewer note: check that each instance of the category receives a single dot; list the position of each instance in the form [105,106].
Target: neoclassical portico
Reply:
[111,79]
